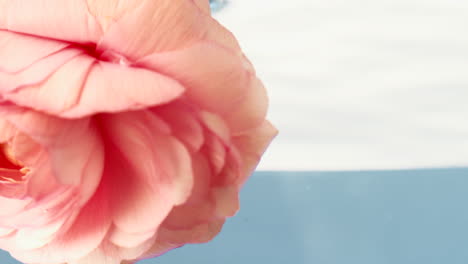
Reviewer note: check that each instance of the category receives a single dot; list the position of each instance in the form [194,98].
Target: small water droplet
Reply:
[217,5]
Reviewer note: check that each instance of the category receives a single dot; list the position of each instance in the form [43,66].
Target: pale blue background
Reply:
[404,217]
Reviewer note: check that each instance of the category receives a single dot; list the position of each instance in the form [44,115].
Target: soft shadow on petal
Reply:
[184,123]
[83,236]
[151,170]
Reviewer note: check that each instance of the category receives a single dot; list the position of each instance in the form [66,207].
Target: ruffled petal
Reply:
[84,235]
[109,253]
[151,170]
[184,123]
[74,148]
[203,5]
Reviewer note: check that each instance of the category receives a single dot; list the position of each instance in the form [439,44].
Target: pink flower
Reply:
[126,128]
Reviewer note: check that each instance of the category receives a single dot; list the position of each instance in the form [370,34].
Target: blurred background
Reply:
[371,164]
[360,84]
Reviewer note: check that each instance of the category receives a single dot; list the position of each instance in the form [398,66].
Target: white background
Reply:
[360,84]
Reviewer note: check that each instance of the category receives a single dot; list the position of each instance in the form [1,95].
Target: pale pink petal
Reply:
[45,211]
[56,19]
[168,239]
[188,216]
[151,171]
[84,86]
[111,88]
[61,91]
[35,73]
[251,110]
[253,144]
[29,238]
[216,125]
[203,5]
[226,200]
[18,51]
[6,231]
[11,206]
[184,123]
[82,237]
[128,240]
[154,26]
[109,253]
[25,150]
[7,130]
[12,183]
[216,78]
[75,151]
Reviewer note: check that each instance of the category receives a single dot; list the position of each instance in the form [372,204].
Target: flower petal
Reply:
[251,110]
[216,78]
[153,26]
[18,51]
[185,126]
[128,240]
[144,192]
[82,237]
[253,144]
[84,86]
[56,19]
[75,150]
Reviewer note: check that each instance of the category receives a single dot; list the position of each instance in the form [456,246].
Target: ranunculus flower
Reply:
[126,128]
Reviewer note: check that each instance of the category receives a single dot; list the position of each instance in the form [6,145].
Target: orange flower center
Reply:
[11,170]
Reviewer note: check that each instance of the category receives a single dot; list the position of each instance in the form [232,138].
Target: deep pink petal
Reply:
[151,170]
